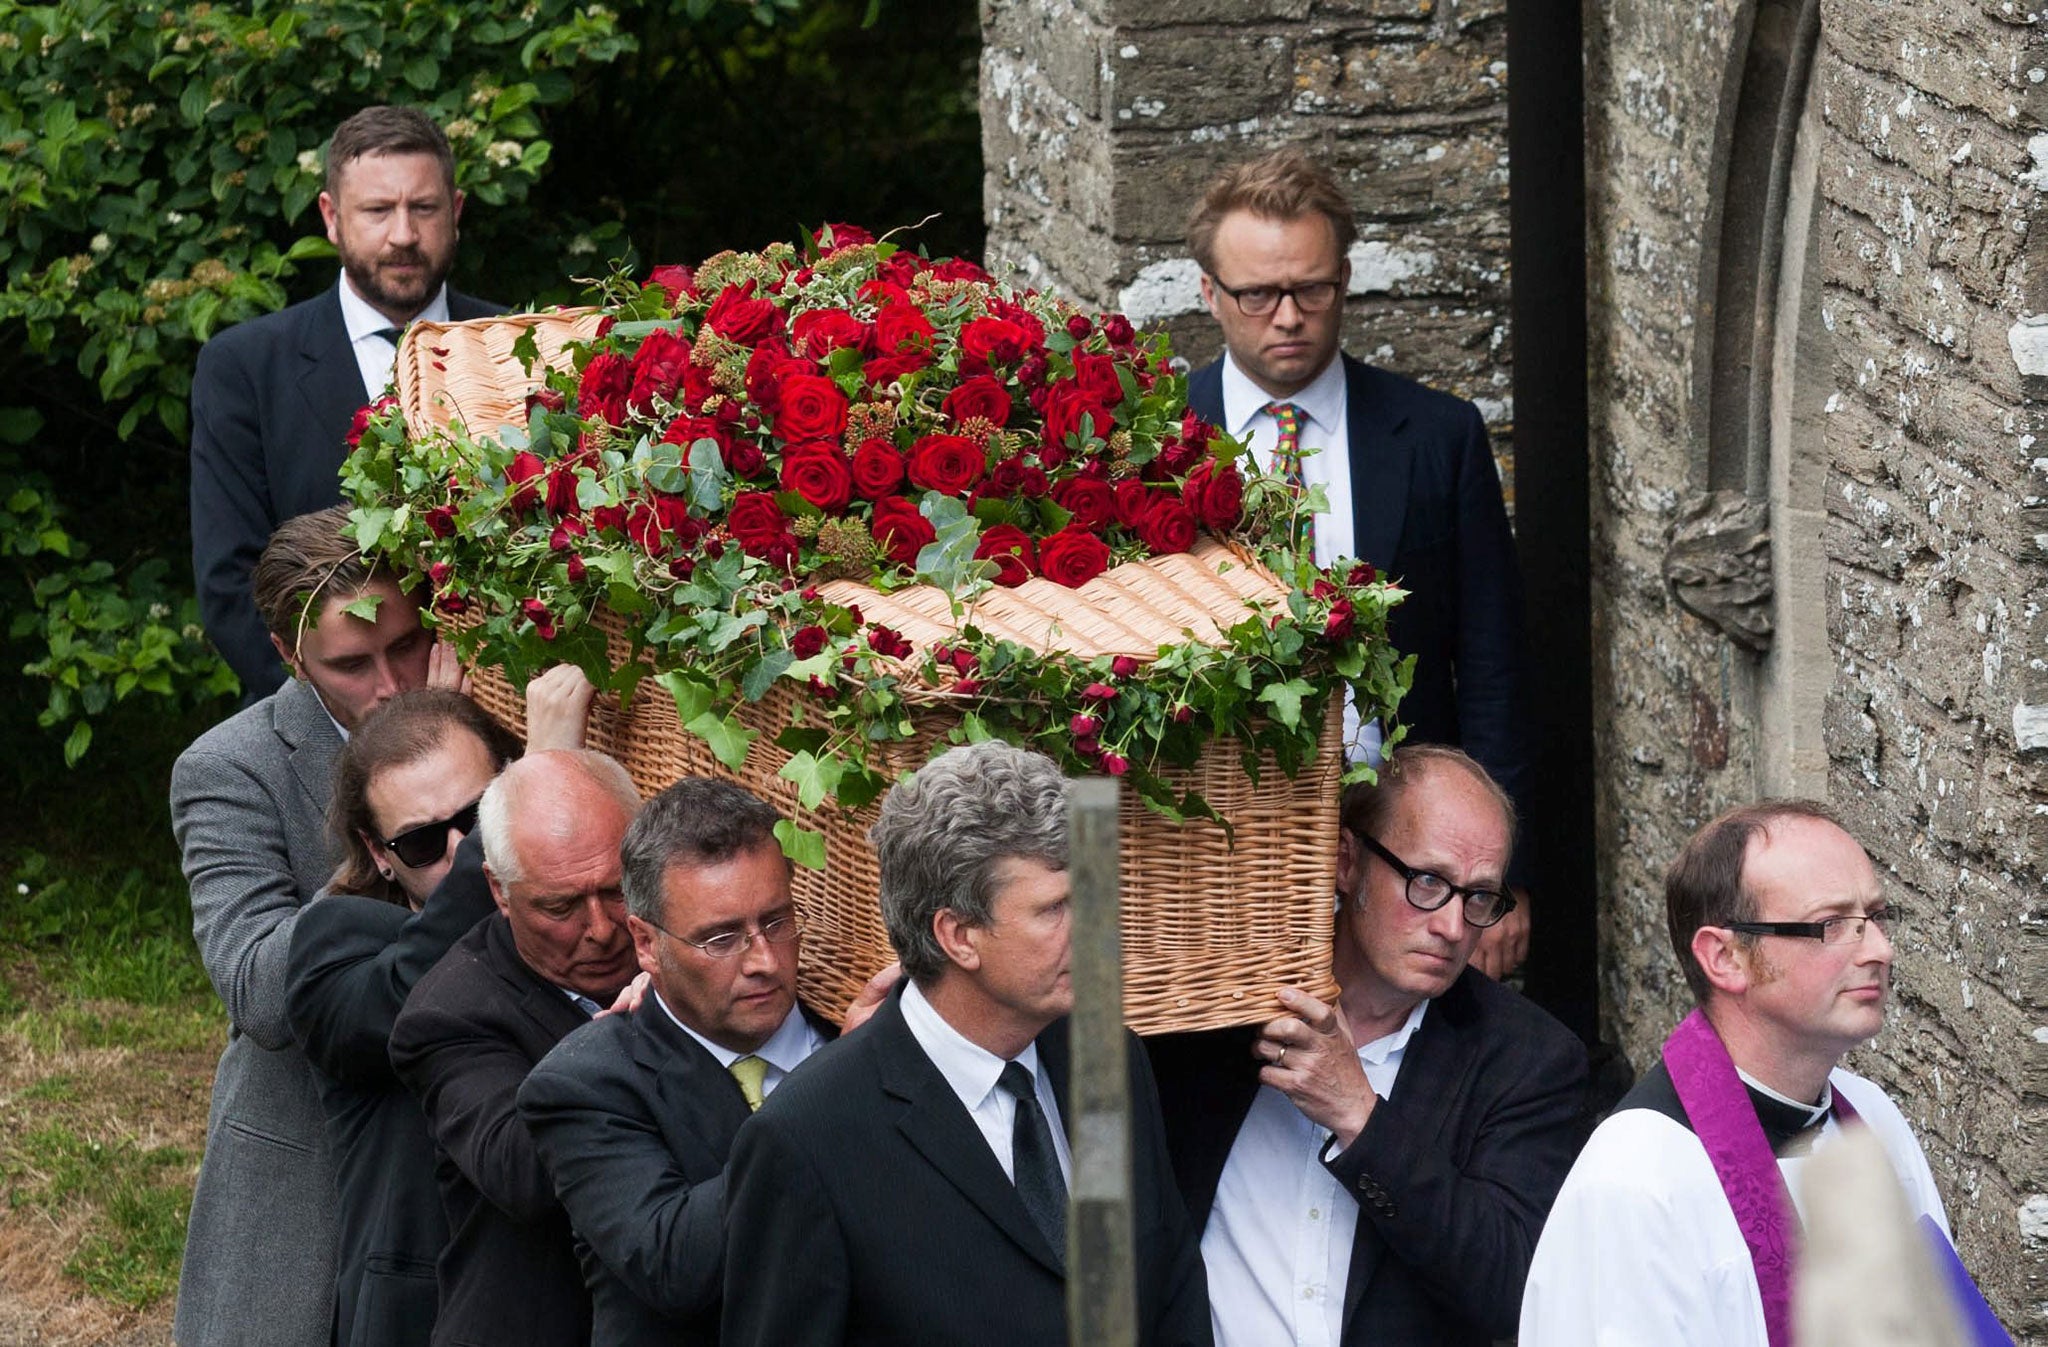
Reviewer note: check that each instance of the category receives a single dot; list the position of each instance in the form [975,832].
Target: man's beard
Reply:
[367,278]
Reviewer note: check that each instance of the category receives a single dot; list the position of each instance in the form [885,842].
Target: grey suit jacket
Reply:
[248,804]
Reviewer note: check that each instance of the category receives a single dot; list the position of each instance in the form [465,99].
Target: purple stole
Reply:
[1717,1105]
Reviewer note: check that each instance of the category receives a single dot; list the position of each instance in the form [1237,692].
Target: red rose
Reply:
[805,642]
[1079,326]
[1215,492]
[1123,666]
[601,396]
[1195,430]
[441,522]
[440,573]
[899,325]
[544,399]
[658,368]
[562,490]
[811,408]
[900,530]
[882,370]
[958,269]
[1098,379]
[609,518]
[1118,329]
[1069,411]
[1343,618]
[577,570]
[1364,573]
[672,514]
[819,473]
[1116,764]
[1168,526]
[537,613]
[525,466]
[1089,501]
[1081,726]
[1133,502]
[743,458]
[565,535]
[756,522]
[981,397]
[1011,549]
[947,463]
[832,237]
[987,341]
[674,281]
[877,469]
[1097,692]
[737,315]
[766,369]
[643,526]
[1072,557]
[819,332]
[887,643]
[360,423]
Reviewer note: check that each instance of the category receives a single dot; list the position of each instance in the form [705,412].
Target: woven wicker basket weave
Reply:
[1211,927]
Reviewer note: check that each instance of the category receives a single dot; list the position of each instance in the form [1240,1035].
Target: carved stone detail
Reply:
[1719,564]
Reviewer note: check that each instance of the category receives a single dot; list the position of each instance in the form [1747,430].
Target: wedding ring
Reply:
[1281,1060]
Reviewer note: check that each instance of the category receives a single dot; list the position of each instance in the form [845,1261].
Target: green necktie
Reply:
[752,1073]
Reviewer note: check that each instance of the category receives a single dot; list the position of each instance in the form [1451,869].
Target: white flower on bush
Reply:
[101,243]
[309,161]
[582,246]
[174,217]
[504,153]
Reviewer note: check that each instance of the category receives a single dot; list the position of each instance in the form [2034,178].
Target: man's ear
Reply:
[330,213]
[1724,958]
[645,944]
[497,890]
[284,652]
[957,939]
[1350,862]
[456,215]
[1209,296]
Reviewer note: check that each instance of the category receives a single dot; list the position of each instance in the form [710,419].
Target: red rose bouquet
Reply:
[741,432]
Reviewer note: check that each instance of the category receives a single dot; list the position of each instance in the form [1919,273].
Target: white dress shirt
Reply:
[377,354]
[793,1040]
[1278,1243]
[973,1070]
[1325,444]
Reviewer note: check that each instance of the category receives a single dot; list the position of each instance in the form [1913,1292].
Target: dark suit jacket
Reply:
[353,960]
[1454,1172]
[469,1033]
[864,1206]
[1427,510]
[272,399]
[635,1121]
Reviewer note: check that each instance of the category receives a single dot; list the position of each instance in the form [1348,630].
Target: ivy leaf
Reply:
[802,739]
[802,845]
[729,739]
[1285,699]
[693,696]
[858,786]
[1350,660]
[526,351]
[815,777]
[763,674]
[364,606]
[975,728]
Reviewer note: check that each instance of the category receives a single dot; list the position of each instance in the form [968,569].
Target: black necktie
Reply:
[1034,1162]
[390,334]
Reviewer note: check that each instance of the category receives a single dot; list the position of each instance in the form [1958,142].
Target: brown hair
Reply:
[1283,185]
[1703,886]
[385,129]
[310,559]
[1368,805]
[403,730]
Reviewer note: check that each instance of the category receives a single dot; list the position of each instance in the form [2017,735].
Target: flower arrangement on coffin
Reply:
[741,439]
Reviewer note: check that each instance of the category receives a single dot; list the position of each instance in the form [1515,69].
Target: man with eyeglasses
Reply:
[1408,477]
[635,1114]
[1677,1222]
[1375,1172]
[556,952]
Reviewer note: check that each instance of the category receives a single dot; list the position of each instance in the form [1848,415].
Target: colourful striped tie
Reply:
[1287,462]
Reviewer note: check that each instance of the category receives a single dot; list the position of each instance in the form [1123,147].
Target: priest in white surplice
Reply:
[1676,1224]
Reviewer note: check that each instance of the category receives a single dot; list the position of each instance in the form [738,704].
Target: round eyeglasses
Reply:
[1427,891]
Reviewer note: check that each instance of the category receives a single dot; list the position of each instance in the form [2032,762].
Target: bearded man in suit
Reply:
[1410,482]
[273,398]
[248,803]
[909,1184]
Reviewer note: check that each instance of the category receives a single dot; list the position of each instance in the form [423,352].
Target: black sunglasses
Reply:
[429,842]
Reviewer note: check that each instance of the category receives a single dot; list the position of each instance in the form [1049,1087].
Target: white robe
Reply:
[1642,1248]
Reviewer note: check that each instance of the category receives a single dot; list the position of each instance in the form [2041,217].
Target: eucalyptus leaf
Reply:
[708,475]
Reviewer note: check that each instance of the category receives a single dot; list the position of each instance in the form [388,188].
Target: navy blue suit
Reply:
[1454,1173]
[272,399]
[1427,510]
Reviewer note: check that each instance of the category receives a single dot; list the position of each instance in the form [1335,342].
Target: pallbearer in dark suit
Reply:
[910,1183]
[1375,1173]
[273,398]
[1411,483]
[511,989]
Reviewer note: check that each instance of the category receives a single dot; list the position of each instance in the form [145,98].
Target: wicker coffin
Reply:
[1211,925]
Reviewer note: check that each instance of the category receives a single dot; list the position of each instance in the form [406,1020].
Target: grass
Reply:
[109,1032]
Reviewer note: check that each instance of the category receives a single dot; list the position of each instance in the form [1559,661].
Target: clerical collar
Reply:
[1786,1121]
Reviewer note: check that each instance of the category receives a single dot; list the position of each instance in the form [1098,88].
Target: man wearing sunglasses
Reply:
[1409,479]
[1676,1222]
[1376,1171]
[635,1114]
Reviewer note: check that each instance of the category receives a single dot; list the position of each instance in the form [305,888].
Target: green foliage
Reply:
[103,933]
[130,1255]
